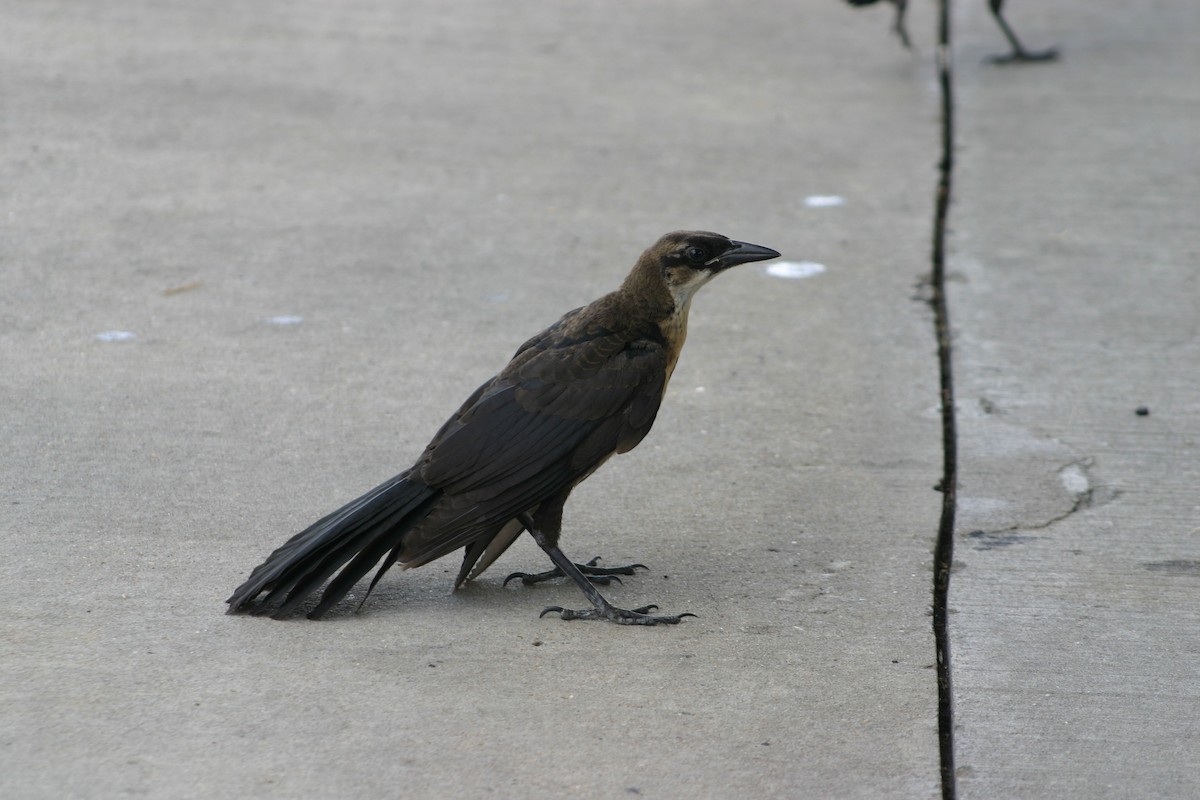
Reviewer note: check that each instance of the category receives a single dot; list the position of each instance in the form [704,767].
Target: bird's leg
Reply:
[898,26]
[601,608]
[1018,54]
[601,576]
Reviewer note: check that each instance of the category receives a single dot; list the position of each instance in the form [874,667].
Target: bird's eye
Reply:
[697,255]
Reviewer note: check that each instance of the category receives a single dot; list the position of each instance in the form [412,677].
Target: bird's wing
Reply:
[552,416]
[555,413]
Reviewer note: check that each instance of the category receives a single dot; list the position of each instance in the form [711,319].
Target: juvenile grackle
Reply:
[575,394]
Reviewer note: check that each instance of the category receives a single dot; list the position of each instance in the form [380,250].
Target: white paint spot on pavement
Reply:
[1074,479]
[794,269]
[116,336]
[824,200]
[285,319]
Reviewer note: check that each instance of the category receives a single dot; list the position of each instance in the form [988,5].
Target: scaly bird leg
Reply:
[601,608]
[601,576]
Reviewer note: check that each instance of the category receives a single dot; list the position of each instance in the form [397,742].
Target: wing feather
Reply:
[547,421]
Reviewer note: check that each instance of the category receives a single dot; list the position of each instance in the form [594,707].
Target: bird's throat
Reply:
[674,331]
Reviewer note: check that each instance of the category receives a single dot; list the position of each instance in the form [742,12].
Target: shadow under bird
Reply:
[586,388]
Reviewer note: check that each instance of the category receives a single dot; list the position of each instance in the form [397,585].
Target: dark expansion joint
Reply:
[943,552]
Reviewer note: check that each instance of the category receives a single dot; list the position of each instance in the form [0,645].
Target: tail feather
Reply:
[367,555]
[369,536]
[363,530]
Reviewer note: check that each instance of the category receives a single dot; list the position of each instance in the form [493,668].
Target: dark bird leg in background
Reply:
[898,26]
[601,608]
[1018,54]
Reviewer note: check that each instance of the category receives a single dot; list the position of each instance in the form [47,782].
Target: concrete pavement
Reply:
[303,214]
[1076,250]
[243,242]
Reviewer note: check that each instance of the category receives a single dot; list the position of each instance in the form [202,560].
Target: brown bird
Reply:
[1018,53]
[586,388]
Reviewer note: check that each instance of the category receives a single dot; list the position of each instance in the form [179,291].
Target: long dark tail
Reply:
[360,533]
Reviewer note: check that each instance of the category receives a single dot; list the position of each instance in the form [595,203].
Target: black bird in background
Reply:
[1017,54]
[575,394]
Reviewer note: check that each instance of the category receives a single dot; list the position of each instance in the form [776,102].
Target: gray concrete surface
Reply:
[324,224]
[425,185]
[1076,249]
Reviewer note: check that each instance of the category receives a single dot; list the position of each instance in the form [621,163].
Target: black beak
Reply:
[744,253]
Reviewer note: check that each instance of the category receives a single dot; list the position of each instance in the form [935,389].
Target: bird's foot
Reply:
[598,575]
[621,616]
[1023,56]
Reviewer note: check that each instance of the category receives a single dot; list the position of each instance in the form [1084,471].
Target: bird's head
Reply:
[686,260]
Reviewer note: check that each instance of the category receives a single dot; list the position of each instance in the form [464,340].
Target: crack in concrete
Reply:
[1076,478]
[943,553]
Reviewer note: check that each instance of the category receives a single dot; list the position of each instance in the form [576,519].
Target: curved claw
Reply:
[530,579]
[635,616]
[594,569]
[521,575]
[601,576]
[625,570]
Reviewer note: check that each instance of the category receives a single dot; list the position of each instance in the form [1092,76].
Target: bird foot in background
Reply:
[1023,56]
[621,616]
[598,575]
[899,28]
